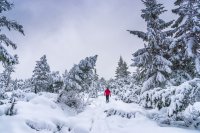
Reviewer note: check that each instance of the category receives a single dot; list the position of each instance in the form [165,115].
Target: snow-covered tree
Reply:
[82,74]
[122,69]
[17,84]
[94,87]
[56,82]
[64,77]
[102,84]
[152,61]
[78,82]
[41,75]
[28,85]
[185,49]
[5,78]
[5,56]
[125,89]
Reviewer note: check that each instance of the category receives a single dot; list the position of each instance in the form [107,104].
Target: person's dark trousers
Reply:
[107,98]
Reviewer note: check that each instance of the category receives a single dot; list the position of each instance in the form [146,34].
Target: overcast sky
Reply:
[70,30]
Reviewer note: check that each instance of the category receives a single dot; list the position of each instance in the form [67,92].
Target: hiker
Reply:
[107,93]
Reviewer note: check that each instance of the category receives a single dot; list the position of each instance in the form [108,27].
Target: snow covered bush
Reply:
[176,98]
[72,99]
[123,114]
[177,105]
[19,94]
[125,89]
[192,115]
[78,82]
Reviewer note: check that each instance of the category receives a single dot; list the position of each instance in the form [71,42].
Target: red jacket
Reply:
[107,92]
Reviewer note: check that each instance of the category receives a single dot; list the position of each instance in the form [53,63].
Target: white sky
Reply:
[69,30]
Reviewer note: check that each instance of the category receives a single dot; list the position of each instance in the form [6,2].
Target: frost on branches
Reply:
[5,57]
[152,61]
[78,82]
[176,103]
[185,48]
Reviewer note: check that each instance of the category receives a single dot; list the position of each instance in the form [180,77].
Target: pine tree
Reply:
[152,61]
[185,49]
[122,69]
[78,82]
[41,75]
[5,57]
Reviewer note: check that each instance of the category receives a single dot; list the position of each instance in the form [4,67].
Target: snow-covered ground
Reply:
[41,114]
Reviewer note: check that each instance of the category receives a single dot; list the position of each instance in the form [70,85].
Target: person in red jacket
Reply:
[107,93]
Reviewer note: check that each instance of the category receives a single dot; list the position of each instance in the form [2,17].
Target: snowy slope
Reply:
[41,114]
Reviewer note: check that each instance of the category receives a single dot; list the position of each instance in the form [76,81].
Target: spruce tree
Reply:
[152,61]
[5,57]
[122,69]
[41,73]
[185,49]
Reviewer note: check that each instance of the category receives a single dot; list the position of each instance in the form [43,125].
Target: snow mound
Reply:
[35,113]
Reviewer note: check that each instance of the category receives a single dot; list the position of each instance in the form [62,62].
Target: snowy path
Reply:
[40,114]
[94,120]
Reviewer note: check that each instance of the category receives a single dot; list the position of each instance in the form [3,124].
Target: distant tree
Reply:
[152,61]
[122,69]
[5,57]
[41,75]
